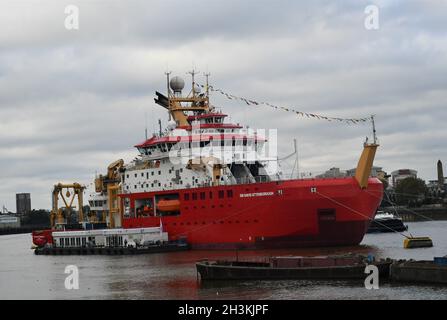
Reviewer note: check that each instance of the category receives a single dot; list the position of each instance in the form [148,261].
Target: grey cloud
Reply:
[73,101]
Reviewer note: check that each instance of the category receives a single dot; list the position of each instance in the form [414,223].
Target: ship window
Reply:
[194,196]
[221,194]
[135,175]
[147,175]
[147,185]
[159,184]
[72,241]
[135,186]
[170,171]
[152,173]
[78,242]
[127,187]
[127,176]
[61,242]
[211,194]
[159,173]
[181,169]
[186,196]
[67,241]
[152,185]
[142,174]
[202,195]
[230,193]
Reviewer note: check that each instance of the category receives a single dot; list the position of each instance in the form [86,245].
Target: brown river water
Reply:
[24,275]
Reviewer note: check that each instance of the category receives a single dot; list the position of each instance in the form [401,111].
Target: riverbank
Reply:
[22,229]
[419,214]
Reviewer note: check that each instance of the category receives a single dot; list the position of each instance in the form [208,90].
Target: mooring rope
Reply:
[359,213]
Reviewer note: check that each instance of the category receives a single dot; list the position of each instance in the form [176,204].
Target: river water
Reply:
[24,275]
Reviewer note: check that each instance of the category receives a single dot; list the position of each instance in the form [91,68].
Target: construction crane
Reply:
[110,185]
[68,193]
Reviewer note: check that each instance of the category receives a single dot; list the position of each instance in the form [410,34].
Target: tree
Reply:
[37,217]
[410,191]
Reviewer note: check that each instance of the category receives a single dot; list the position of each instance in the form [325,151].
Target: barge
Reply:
[282,268]
[434,271]
[107,242]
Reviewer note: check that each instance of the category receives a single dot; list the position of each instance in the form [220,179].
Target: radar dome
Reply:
[177,84]
[171,125]
[196,88]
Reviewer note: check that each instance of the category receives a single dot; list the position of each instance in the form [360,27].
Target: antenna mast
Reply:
[145,125]
[374,129]
[168,91]
[193,73]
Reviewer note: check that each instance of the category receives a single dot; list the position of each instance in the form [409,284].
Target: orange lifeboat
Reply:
[168,205]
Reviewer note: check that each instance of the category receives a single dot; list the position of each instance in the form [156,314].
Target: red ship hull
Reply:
[292,213]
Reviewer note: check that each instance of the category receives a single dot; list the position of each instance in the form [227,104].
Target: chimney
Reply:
[440,174]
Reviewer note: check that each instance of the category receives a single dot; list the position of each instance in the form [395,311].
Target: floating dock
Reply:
[420,271]
[157,248]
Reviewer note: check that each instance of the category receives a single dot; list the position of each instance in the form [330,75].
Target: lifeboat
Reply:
[168,205]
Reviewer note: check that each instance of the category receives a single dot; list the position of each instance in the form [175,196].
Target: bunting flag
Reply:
[299,113]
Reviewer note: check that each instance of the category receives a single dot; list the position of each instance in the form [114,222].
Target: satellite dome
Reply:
[177,84]
[197,88]
[171,125]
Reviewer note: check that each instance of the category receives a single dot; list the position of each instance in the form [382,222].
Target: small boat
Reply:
[292,267]
[420,271]
[386,222]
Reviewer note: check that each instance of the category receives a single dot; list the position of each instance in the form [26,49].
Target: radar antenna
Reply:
[374,129]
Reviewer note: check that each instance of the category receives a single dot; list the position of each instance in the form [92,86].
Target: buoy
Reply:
[417,242]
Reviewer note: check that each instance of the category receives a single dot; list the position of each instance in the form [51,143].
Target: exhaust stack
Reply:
[366,160]
[365,164]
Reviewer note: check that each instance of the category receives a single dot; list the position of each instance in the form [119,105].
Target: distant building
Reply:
[402,174]
[7,222]
[23,203]
[440,174]
[332,173]
[375,172]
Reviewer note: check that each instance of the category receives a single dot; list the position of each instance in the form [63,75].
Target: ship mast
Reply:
[178,105]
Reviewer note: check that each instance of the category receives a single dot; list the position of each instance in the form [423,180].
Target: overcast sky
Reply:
[72,101]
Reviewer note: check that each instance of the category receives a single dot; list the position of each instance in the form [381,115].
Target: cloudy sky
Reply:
[72,101]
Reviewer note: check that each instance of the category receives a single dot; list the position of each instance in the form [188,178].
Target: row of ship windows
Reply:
[152,173]
[202,195]
[159,184]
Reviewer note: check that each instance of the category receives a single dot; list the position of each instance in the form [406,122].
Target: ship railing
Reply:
[249,180]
